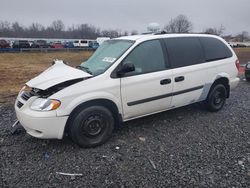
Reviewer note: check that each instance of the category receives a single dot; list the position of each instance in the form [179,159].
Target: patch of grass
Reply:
[243,54]
[18,68]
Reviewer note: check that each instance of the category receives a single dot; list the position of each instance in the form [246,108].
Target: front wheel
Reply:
[91,126]
[216,98]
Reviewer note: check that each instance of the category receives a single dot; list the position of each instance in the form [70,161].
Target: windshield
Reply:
[105,56]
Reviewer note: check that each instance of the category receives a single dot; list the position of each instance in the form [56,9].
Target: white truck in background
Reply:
[100,40]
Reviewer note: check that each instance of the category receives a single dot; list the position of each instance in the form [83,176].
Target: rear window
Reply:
[215,49]
[84,41]
[184,51]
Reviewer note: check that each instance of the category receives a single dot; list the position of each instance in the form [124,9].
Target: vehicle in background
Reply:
[93,44]
[56,45]
[4,44]
[11,42]
[247,71]
[68,44]
[31,43]
[40,44]
[84,43]
[21,44]
[100,40]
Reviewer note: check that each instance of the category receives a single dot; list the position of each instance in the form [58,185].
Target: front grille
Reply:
[26,95]
[19,104]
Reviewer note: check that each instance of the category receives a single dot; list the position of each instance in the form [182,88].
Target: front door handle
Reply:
[179,78]
[165,81]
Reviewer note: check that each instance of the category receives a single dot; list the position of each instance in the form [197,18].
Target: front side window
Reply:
[146,57]
[105,56]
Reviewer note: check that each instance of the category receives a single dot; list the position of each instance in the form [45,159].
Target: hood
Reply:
[56,74]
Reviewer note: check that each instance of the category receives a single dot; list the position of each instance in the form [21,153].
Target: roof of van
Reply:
[156,36]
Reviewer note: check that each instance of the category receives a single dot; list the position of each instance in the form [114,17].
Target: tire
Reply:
[216,98]
[91,126]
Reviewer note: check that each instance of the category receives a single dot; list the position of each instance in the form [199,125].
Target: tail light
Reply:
[237,64]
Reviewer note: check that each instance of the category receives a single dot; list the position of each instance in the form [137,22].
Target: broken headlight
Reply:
[41,104]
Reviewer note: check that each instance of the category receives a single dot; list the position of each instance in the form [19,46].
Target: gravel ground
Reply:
[185,147]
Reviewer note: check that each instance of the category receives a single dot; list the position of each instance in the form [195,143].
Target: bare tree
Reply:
[180,24]
[57,25]
[215,31]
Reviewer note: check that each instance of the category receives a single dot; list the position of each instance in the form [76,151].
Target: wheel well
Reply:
[100,102]
[225,82]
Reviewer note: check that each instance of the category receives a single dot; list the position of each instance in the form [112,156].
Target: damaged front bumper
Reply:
[39,124]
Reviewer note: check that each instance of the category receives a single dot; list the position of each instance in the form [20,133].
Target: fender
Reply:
[208,86]
[72,104]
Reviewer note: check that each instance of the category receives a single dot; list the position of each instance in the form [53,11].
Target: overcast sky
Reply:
[128,15]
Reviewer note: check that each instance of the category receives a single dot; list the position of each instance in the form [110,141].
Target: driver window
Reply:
[147,57]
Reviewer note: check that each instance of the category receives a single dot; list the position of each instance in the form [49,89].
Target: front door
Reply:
[147,89]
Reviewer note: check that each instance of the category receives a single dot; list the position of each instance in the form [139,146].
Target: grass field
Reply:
[17,68]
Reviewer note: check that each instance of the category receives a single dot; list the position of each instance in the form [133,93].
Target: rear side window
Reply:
[184,51]
[146,57]
[215,49]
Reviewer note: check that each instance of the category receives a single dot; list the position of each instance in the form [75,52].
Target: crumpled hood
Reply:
[56,74]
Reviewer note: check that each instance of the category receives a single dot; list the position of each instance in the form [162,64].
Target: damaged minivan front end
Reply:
[36,109]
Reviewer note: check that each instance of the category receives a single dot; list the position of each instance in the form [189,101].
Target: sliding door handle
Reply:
[165,81]
[179,78]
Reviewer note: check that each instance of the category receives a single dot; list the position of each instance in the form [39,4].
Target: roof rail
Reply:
[161,33]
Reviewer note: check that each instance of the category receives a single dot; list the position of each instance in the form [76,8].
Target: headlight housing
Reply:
[41,104]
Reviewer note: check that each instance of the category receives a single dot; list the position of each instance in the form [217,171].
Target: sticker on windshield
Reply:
[109,59]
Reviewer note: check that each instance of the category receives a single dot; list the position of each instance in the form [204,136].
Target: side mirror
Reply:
[125,68]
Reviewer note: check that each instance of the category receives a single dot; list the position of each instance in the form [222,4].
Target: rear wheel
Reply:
[216,98]
[91,126]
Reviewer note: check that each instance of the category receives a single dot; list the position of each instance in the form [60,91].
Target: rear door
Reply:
[147,89]
[189,75]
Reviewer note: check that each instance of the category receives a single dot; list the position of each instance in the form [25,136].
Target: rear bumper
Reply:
[234,82]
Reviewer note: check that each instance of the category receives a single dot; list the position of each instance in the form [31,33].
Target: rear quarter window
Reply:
[184,51]
[214,49]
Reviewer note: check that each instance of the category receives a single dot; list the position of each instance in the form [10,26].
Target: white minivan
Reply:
[127,78]
[84,43]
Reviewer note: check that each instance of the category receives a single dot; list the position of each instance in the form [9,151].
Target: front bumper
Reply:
[46,125]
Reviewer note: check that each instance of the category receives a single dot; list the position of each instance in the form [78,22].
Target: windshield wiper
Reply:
[86,69]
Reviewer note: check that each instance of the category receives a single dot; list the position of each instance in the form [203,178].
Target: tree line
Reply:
[57,29]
